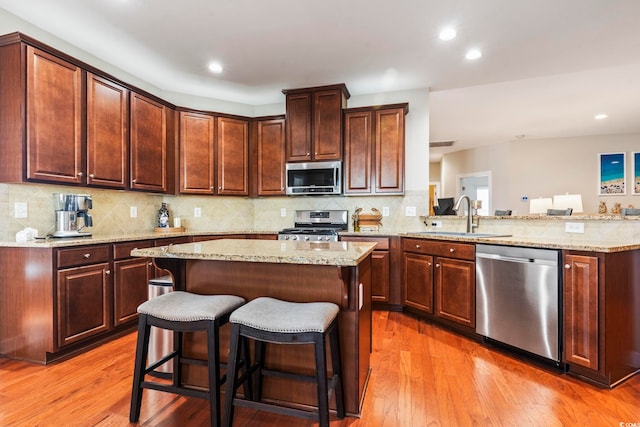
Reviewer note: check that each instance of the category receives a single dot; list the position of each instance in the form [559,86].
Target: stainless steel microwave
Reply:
[314,178]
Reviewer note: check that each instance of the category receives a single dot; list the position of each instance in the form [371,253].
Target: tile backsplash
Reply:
[111,210]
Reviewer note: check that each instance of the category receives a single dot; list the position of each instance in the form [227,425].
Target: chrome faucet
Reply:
[470,224]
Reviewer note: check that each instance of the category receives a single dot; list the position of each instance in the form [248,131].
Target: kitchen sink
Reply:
[461,234]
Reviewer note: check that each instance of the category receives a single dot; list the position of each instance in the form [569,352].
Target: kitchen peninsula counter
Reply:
[338,272]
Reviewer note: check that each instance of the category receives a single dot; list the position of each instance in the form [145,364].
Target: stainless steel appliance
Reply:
[72,214]
[315,178]
[316,226]
[518,298]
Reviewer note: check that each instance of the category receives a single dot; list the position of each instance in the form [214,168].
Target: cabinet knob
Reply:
[80,174]
[87,256]
[308,153]
[451,250]
[150,263]
[567,266]
[437,265]
[107,272]
[134,180]
[91,176]
[213,188]
[417,246]
[429,264]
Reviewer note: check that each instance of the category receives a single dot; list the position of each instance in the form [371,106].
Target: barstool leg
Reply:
[213,349]
[321,373]
[232,375]
[142,349]
[336,366]
[260,349]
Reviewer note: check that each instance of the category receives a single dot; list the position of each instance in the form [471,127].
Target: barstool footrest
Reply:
[186,391]
[277,409]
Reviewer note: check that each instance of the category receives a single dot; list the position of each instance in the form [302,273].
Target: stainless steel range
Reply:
[316,226]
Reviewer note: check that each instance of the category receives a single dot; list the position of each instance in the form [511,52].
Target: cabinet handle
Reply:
[417,246]
[91,176]
[150,263]
[437,265]
[429,264]
[213,188]
[80,174]
[134,181]
[220,188]
[308,153]
[452,250]
[567,266]
[87,256]
[107,272]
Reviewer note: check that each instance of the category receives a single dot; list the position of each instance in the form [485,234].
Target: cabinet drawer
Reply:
[123,250]
[171,241]
[382,243]
[83,256]
[440,248]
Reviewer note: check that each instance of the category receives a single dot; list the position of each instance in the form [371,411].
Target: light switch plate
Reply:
[574,227]
[21,210]
[410,211]
[133,211]
[283,212]
[385,211]
[197,212]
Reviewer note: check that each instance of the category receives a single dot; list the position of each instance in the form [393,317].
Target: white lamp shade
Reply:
[540,206]
[566,201]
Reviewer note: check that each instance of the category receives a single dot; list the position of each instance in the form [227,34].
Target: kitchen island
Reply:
[338,272]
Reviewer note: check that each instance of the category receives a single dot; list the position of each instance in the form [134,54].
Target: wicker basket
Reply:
[370,219]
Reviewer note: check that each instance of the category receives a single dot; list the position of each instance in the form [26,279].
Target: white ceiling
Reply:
[548,66]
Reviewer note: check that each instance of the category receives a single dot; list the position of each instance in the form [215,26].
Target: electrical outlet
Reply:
[410,211]
[283,212]
[197,212]
[574,227]
[133,211]
[21,210]
[385,211]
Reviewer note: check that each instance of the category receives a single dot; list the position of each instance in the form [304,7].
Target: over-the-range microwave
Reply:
[315,178]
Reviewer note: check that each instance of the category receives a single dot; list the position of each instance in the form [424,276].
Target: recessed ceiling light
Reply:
[601,116]
[473,54]
[215,67]
[448,33]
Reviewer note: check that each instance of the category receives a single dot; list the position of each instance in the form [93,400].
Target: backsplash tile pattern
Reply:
[111,210]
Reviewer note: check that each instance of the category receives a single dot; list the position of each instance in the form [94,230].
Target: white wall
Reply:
[542,168]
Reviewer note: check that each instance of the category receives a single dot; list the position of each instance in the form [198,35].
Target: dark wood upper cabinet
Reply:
[233,156]
[314,123]
[374,152]
[54,119]
[148,144]
[107,127]
[270,157]
[197,153]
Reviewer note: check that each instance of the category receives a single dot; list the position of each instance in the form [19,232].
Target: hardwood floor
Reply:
[421,376]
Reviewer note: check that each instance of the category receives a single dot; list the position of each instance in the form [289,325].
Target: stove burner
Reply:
[316,226]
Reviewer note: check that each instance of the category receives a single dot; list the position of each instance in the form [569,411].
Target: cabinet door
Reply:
[130,288]
[107,126]
[271,157]
[54,119]
[327,125]
[84,302]
[456,291]
[358,151]
[197,153]
[380,276]
[298,127]
[418,281]
[233,157]
[581,310]
[389,151]
[148,144]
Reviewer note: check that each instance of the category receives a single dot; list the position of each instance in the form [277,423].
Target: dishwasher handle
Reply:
[515,259]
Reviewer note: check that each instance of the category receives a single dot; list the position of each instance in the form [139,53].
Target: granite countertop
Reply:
[268,251]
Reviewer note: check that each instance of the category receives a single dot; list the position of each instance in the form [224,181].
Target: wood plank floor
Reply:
[421,376]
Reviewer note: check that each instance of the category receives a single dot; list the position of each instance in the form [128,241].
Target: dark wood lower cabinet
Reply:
[418,282]
[84,302]
[456,290]
[130,288]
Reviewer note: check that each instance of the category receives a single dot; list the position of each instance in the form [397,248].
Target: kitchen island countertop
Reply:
[270,251]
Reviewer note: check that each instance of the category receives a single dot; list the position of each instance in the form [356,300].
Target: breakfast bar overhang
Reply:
[337,272]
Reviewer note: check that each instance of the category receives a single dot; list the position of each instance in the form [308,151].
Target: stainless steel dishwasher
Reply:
[518,298]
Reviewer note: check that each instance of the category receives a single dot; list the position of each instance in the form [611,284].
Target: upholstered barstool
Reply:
[269,320]
[182,312]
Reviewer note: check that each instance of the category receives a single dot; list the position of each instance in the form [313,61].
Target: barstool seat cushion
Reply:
[187,307]
[273,315]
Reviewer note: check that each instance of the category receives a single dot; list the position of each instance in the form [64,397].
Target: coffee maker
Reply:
[72,215]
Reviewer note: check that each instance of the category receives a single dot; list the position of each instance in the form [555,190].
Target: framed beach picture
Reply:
[636,173]
[611,169]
